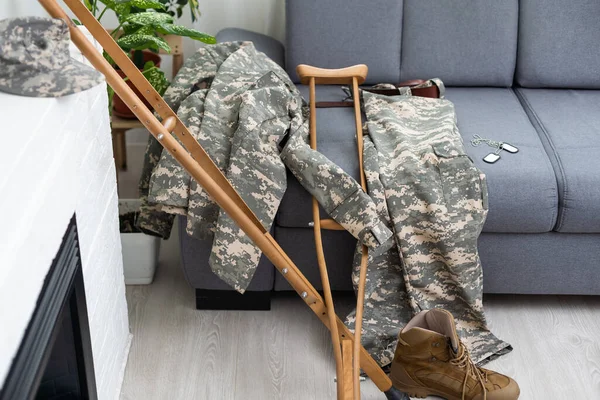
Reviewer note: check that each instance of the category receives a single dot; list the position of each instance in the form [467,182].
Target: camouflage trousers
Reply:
[434,199]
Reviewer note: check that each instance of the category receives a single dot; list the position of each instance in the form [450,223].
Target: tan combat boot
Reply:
[431,360]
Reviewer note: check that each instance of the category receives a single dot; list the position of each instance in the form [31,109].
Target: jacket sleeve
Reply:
[337,192]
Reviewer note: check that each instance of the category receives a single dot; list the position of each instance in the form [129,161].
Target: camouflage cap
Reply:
[35,60]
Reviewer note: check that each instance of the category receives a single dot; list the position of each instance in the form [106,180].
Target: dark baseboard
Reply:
[207,299]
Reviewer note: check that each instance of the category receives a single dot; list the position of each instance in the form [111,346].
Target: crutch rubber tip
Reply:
[395,394]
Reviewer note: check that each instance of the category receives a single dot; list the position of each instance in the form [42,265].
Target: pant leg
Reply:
[437,201]
[441,212]
[386,308]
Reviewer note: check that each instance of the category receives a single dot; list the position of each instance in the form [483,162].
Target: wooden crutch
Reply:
[347,354]
[199,165]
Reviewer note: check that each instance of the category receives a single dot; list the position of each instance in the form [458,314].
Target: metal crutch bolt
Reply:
[362,379]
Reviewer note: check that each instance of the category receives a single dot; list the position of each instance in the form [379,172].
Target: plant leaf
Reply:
[181,30]
[128,29]
[110,4]
[144,30]
[150,18]
[146,4]
[141,42]
[122,10]
[156,77]
[194,9]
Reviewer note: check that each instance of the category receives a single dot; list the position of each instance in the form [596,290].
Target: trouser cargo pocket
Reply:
[463,184]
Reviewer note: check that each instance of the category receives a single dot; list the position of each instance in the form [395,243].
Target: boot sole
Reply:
[421,392]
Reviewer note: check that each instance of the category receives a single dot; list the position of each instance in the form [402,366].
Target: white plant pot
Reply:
[140,257]
[140,251]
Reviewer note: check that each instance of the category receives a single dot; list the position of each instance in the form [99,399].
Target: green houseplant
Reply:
[141,26]
[176,7]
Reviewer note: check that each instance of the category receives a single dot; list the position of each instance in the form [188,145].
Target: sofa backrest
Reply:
[559,44]
[463,42]
[340,33]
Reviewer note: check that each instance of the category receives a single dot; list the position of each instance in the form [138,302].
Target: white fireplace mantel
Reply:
[56,159]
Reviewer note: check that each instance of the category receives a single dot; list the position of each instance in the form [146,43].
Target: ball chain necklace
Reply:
[499,146]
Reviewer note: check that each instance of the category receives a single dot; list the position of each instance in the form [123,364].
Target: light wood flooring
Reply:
[180,353]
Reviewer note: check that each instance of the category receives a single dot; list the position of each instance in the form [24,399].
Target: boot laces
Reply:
[462,360]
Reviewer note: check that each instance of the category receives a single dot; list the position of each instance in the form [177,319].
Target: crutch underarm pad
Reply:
[332,76]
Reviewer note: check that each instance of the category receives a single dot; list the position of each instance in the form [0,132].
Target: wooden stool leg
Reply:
[116,149]
[123,147]
[119,149]
[177,63]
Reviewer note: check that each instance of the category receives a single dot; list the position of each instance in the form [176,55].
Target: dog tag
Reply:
[491,158]
[510,148]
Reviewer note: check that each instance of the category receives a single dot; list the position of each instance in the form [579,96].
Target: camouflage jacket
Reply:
[252,121]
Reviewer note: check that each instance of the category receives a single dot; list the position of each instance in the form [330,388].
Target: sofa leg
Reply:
[231,300]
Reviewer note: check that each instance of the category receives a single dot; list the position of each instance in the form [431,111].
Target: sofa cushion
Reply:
[340,33]
[522,186]
[568,122]
[463,42]
[523,196]
[558,44]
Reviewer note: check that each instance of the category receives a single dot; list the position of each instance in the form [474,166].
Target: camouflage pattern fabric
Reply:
[185,96]
[35,60]
[250,118]
[434,199]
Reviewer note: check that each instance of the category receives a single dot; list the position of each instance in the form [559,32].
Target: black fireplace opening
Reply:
[54,361]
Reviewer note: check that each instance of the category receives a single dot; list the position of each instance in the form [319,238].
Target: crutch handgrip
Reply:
[325,76]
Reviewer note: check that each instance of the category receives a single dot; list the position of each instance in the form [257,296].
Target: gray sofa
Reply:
[525,72]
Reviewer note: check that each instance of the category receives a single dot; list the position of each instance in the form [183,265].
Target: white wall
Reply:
[264,16]
[57,159]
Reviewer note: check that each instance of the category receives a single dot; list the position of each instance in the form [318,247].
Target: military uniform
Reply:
[252,121]
[432,196]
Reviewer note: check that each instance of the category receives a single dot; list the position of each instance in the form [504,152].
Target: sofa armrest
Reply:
[271,47]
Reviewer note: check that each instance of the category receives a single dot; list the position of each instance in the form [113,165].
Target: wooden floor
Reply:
[181,353]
